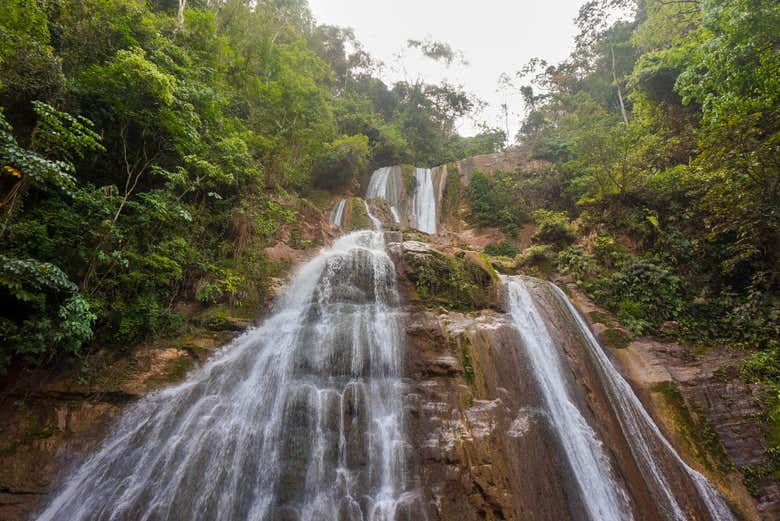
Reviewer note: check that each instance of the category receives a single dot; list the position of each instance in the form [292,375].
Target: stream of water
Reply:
[425,201]
[299,419]
[302,418]
[600,491]
[337,213]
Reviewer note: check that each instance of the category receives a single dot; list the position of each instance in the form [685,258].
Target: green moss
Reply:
[409,179]
[358,216]
[695,431]
[453,282]
[468,367]
[599,317]
[501,249]
[177,369]
[537,260]
[451,197]
[616,338]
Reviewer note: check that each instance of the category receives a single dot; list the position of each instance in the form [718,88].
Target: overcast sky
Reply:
[495,36]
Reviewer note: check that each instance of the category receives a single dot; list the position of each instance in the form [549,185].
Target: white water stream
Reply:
[337,213]
[425,201]
[299,419]
[603,497]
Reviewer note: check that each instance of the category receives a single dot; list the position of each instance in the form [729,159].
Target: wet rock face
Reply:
[485,444]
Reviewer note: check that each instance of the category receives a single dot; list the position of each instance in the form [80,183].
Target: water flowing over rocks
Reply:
[401,379]
[491,447]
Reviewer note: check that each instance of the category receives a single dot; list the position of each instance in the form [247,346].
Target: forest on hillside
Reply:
[149,150]
[662,133]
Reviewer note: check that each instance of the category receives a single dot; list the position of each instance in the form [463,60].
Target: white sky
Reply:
[495,36]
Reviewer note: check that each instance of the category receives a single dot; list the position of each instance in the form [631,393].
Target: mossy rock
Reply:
[358,218]
[452,195]
[599,317]
[695,431]
[616,338]
[409,179]
[464,281]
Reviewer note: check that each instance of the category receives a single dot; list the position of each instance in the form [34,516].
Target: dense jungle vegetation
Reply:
[662,135]
[149,150]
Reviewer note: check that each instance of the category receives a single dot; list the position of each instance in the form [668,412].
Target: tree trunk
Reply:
[620,94]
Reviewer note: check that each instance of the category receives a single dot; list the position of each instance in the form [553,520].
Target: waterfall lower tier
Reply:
[603,497]
[322,413]
[576,380]
[298,420]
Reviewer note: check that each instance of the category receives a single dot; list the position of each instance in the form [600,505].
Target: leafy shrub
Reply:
[554,228]
[496,201]
[501,249]
[537,255]
[341,160]
[608,252]
[41,311]
[575,261]
[644,295]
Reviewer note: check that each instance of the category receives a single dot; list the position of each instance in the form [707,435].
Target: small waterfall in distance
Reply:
[300,419]
[337,213]
[425,201]
[385,184]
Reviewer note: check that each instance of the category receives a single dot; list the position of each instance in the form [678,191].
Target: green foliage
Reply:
[341,161]
[575,261]
[29,167]
[496,201]
[553,228]
[43,313]
[539,259]
[644,295]
[688,176]
[154,160]
[501,249]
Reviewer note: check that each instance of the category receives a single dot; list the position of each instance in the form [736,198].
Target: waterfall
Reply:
[604,498]
[660,465]
[425,201]
[385,184]
[299,419]
[337,213]
[640,428]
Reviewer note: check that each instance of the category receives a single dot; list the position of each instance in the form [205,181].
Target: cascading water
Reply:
[299,419]
[337,213]
[604,499]
[385,184]
[425,201]
[644,433]
[601,493]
